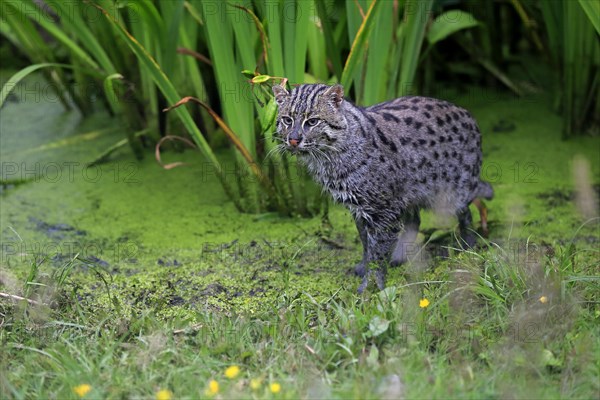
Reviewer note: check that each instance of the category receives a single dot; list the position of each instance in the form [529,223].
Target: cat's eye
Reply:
[312,121]
[287,120]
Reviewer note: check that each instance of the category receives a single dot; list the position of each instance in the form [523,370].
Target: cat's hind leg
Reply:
[465,220]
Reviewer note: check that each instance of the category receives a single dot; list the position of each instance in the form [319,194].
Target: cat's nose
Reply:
[294,142]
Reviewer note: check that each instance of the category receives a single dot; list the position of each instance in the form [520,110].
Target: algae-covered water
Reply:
[171,239]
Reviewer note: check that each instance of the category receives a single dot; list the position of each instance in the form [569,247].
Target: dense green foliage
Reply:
[139,57]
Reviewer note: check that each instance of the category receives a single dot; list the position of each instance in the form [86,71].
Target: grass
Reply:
[518,319]
[494,327]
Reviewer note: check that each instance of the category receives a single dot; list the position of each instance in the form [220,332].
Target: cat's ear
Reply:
[335,95]
[280,93]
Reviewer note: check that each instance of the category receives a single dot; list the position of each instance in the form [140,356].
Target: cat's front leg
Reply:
[361,268]
[380,243]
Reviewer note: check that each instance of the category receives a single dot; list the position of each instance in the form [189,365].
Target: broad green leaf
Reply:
[378,325]
[448,23]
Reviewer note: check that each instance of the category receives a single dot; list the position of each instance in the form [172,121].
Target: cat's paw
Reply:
[379,280]
[468,240]
[360,269]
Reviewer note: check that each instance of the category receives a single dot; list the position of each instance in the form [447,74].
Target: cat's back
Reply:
[427,118]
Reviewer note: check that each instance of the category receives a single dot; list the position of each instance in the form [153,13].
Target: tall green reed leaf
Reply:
[359,46]
[416,15]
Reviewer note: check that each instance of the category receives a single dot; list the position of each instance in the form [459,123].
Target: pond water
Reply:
[172,237]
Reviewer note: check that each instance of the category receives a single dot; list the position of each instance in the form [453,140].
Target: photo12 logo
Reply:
[69,171]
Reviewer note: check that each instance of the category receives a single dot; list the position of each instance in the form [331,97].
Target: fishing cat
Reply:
[385,163]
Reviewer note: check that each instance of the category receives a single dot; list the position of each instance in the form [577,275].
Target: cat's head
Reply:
[310,118]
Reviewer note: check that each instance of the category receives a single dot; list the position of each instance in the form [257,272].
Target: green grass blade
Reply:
[330,44]
[376,73]
[416,14]
[72,19]
[302,21]
[274,30]
[592,10]
[28,9]
[359,46]
[172,12]
[13,80]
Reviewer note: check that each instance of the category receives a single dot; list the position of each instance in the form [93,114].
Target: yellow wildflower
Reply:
[423,303]
[232,371]
[213,388]
[164,394]
[543,299]
[275,387]
[255,383]
[82,390]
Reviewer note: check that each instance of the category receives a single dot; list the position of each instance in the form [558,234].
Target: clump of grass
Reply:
[504,321]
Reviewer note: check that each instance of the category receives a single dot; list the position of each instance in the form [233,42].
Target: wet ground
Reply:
[173,241]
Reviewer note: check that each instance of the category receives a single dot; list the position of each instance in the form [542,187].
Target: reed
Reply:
[147,55]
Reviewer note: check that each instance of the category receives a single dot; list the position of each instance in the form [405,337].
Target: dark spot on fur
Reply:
[418,125]
[408,121]
[430,130]
[415,100]
[432,143]
[393,146]
[427,114]
[442,139]
[382,137]
[429,107]
[404,141]
[448,118]
[414,108]
[455,116]
[382,158]
[436,155]
[389,117]
[439,121]
[454,129]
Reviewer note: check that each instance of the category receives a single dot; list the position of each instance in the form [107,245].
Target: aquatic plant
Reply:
[139,58]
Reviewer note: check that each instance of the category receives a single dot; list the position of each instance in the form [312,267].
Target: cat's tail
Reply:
[484,190]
